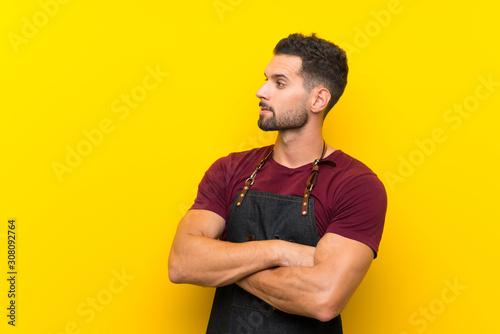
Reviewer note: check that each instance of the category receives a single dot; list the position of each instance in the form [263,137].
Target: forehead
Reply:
[289,66]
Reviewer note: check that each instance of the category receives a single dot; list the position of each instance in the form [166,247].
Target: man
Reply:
[286,232]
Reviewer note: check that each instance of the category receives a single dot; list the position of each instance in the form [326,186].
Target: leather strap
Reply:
[249,182]
[311,181]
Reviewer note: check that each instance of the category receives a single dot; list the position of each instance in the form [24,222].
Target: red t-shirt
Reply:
[349,199]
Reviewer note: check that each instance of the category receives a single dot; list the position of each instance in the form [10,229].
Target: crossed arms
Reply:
[316,282]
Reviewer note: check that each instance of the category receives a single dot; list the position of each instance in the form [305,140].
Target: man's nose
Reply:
[263,92]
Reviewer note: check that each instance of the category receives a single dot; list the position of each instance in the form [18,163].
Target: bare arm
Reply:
[321,291]
[197,257]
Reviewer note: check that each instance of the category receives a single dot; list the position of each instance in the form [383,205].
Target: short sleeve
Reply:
[212,190]
[360,208]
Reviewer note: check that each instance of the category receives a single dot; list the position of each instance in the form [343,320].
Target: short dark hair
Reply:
[322,63]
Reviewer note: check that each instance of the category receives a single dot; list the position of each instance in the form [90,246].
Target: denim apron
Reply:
[266,216]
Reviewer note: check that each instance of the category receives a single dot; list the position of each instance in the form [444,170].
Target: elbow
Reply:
[179,272]
[326,310]
[175,274]
[326,315]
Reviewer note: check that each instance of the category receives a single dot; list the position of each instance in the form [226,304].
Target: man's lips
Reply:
[264,109]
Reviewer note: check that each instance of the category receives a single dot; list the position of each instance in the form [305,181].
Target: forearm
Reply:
[198,257]
[320,291]
[209,262]
[294,290]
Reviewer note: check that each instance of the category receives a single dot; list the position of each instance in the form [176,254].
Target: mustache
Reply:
[265,106]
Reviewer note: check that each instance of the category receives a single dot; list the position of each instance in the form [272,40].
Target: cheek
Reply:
[287,99]
[291,102]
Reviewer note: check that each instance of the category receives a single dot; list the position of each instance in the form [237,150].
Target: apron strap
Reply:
[311,181]
[249,182]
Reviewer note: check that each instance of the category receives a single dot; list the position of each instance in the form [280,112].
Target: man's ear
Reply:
[321,97]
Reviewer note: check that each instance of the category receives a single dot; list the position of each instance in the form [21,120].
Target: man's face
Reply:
[283,98]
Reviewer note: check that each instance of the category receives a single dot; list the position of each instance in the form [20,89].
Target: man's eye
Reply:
[280,84]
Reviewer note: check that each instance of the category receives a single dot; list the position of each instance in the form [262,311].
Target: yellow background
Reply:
[116,211]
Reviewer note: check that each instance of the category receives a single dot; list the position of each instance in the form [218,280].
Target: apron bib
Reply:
[266,216]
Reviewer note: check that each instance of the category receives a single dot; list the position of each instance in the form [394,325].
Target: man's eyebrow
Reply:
[277,76]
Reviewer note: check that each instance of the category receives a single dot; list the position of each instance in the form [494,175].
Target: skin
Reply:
[316,281]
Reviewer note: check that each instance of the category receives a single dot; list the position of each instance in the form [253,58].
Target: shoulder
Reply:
[351,182]
[348,164]
[238,161]
[359,202]
[352,172]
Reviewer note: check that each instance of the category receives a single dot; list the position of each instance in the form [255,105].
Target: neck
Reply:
[299,147]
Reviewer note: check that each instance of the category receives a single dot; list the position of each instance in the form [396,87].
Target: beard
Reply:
[290,119]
